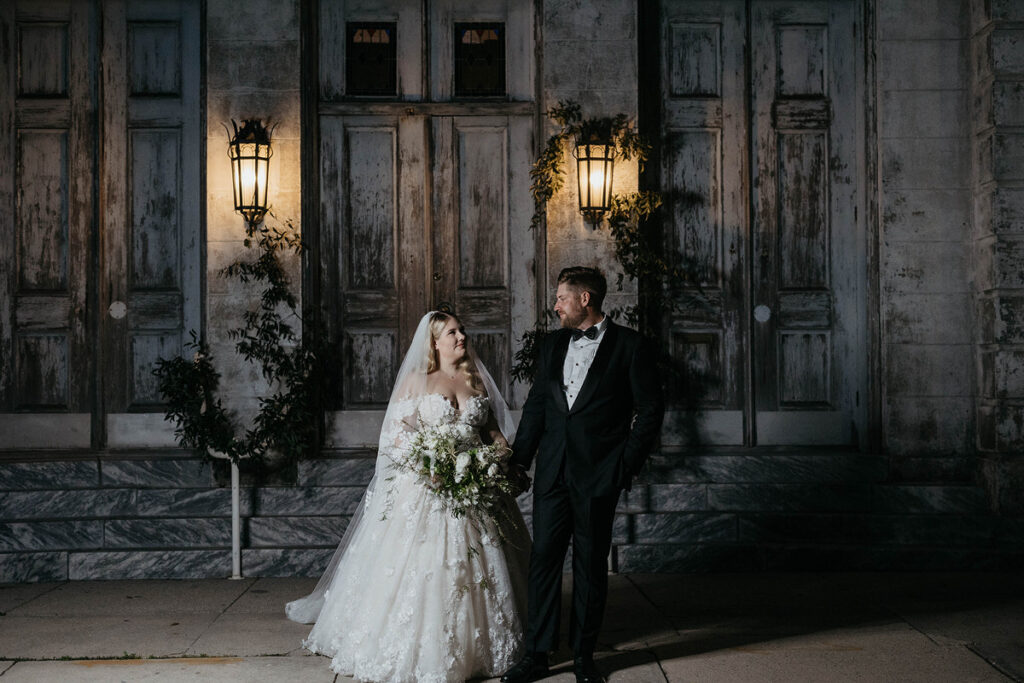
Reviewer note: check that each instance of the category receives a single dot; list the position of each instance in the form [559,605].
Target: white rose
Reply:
[492,471]
[464,432]
[461,463]
[481,456]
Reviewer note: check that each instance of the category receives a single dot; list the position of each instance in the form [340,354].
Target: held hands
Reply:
[520,480]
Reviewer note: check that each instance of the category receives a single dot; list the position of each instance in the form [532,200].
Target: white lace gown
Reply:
[410,599]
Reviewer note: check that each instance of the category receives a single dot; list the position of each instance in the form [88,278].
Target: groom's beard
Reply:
[570,321]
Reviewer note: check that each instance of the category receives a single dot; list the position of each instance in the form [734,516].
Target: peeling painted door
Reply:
[149,294]
[87,304]
[761,163]
[46,220]
[424,193]
[481,237]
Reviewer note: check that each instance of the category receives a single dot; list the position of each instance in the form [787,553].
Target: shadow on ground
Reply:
[676,619]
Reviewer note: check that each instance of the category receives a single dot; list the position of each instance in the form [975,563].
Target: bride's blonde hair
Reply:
[438,321]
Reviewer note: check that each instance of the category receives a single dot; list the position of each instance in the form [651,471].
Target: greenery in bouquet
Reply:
[469,477]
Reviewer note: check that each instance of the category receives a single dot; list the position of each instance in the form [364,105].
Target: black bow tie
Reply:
[589,333]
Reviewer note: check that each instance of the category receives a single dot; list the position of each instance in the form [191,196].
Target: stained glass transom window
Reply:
[479,60]
[370,50]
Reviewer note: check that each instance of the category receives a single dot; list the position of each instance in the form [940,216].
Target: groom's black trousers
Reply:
[558,514]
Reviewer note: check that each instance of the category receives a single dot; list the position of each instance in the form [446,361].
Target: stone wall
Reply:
[925,262]
[997,117]
[165,515]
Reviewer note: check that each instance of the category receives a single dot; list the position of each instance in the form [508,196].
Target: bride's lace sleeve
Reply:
[399,426]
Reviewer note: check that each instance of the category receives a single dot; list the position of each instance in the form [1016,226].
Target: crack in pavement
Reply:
[37,596]
[252,582]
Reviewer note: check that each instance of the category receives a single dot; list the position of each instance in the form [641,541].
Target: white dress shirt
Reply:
[578,360]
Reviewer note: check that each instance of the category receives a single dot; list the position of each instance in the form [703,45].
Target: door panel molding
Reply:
[760,162]
[46,213]
[150,209]
[703,131]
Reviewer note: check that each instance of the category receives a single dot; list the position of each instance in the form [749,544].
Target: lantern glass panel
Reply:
[594,167]
[250,166]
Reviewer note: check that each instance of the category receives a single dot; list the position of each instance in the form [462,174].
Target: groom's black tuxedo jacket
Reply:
[606,436]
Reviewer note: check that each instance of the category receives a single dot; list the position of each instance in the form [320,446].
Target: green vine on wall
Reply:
[286,424]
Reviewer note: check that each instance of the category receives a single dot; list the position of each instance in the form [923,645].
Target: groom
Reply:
[593,412]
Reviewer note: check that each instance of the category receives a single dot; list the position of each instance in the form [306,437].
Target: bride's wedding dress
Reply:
[418,594]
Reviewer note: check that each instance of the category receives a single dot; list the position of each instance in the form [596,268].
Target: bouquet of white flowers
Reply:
[457,466]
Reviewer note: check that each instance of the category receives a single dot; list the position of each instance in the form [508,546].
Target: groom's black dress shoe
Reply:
[586,672]
[529,668]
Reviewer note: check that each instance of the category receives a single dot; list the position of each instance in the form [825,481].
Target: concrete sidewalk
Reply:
[731,628]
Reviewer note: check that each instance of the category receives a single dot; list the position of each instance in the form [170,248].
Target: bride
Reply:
[414,593]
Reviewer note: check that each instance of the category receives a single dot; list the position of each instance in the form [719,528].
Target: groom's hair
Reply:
[587,279]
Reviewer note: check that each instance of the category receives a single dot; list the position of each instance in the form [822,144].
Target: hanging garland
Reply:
[547,173]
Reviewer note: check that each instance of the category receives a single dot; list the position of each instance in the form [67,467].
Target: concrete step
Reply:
[807,558]
[928,499]
[764,465]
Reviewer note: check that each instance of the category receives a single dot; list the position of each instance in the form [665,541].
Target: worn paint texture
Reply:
[590,57]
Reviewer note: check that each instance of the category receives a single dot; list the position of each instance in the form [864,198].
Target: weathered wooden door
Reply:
[481,238]
[47,350]
[151,245]
[101,273]
[761,163]
[424,189]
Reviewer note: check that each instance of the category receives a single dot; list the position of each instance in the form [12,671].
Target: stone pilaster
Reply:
[924,262]
[253,71]
[590,57]
[997,83]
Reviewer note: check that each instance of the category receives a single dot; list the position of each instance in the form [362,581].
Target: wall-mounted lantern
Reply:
[595,161]
[249,150]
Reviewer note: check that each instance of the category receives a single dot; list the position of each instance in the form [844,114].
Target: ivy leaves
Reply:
[548,174]
[287,421]
[189,388]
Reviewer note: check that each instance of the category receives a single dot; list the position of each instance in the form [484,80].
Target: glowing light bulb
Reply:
[248,176]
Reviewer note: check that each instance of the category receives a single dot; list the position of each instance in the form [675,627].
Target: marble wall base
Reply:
[149,564]
[33,567]
[165,515]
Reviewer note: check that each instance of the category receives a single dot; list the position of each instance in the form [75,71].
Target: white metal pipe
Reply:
[236,525]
